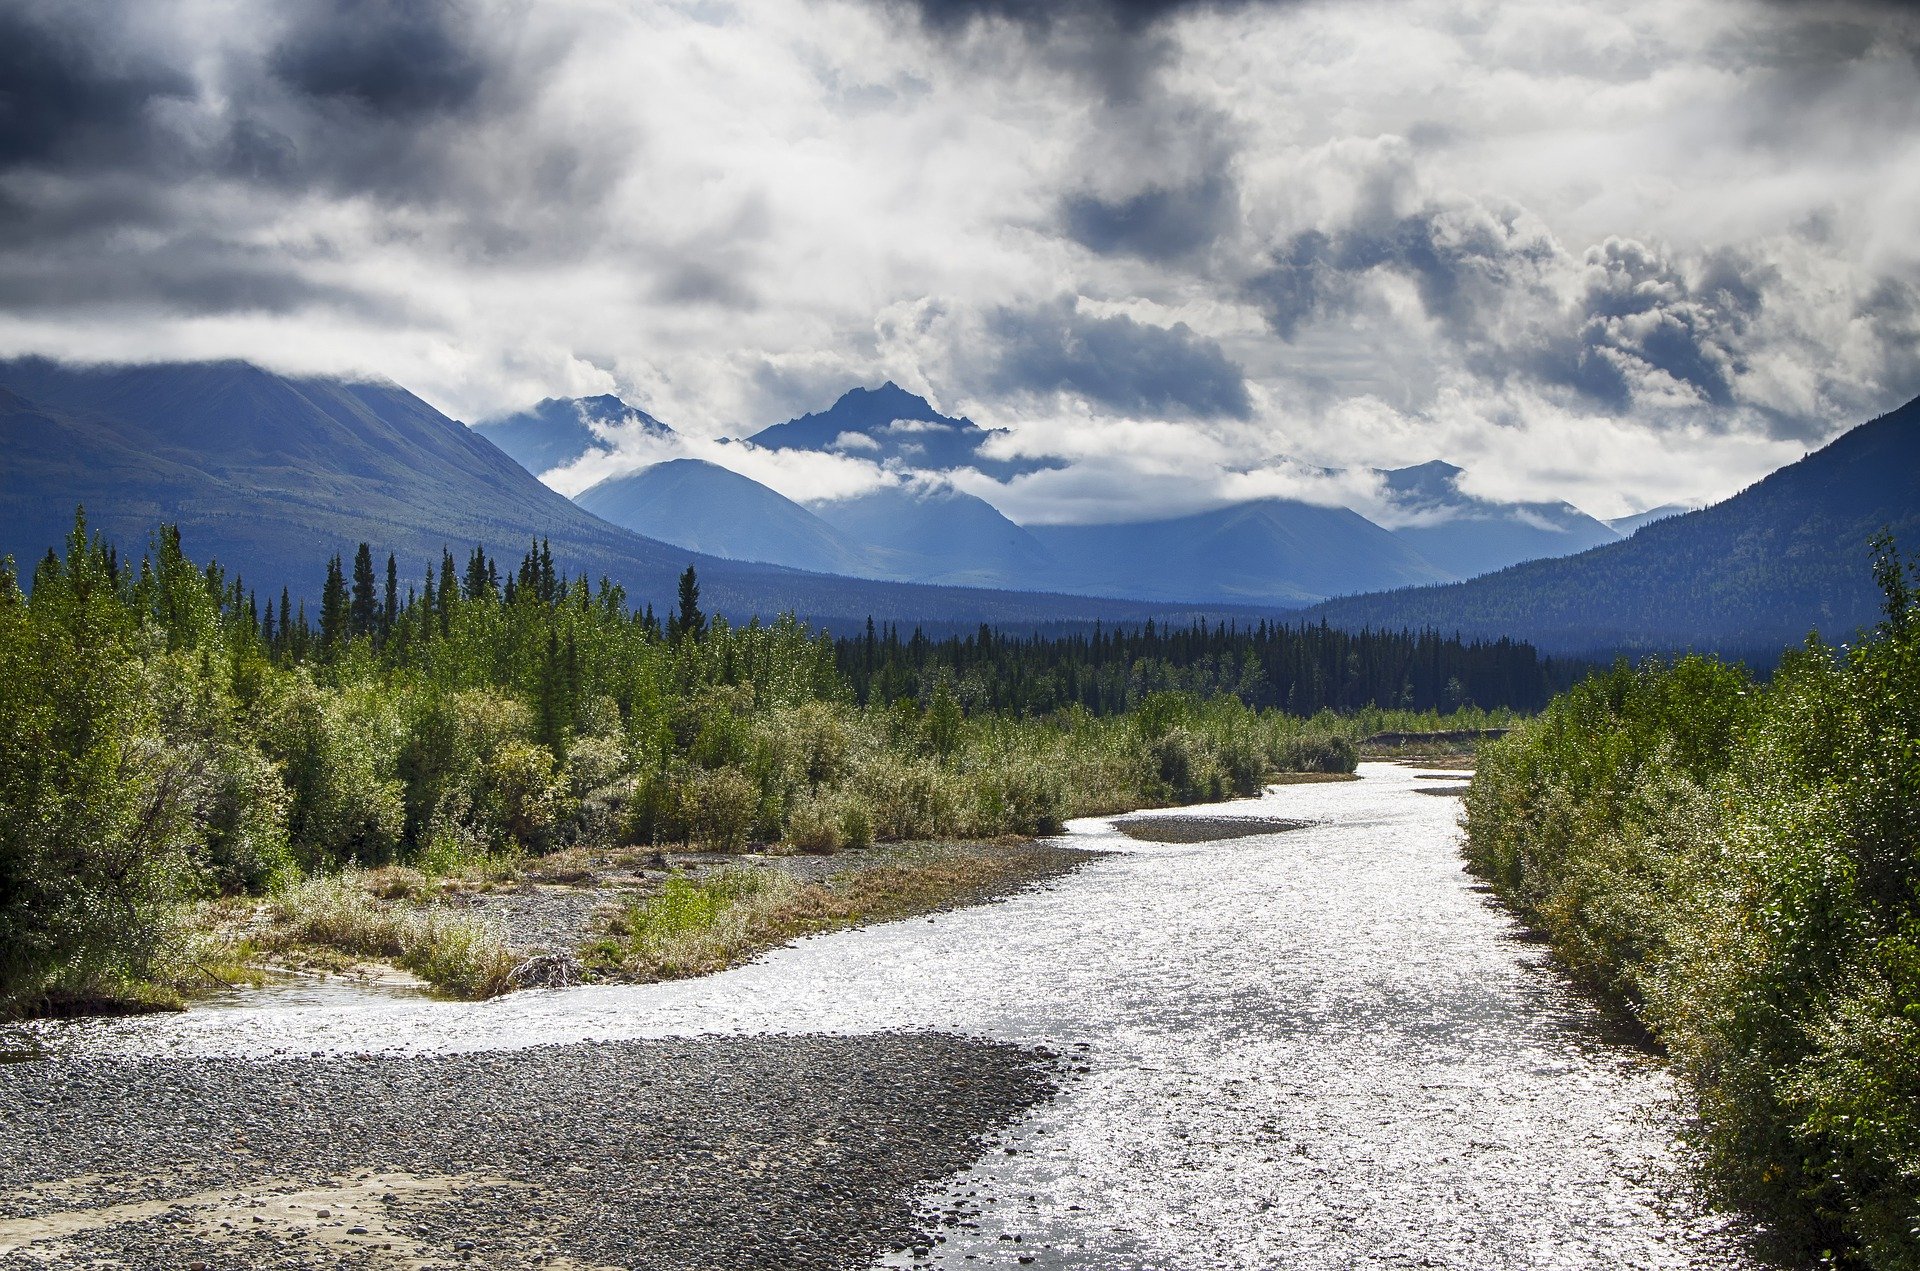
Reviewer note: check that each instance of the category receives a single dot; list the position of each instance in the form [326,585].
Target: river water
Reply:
[1318,1048]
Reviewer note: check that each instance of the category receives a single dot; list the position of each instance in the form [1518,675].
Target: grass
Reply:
[458,954]
[698,926]
[1309,778]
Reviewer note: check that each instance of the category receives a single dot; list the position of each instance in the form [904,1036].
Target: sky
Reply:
[1620,254]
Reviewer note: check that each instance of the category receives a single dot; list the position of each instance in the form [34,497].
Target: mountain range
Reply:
[272,474]
[916,525]
[1760,570]
[559,430]
[898,429]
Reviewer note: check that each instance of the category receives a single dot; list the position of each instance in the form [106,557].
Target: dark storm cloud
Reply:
[1159,224]
[1128,366]
[1128,15]
[68,97]
[195,276]
[114,119]
[393,59]
[1117,46]
[1463,263]
[1642,318]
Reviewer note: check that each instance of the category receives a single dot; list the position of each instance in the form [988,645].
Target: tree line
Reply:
[167,737]
[1302,670]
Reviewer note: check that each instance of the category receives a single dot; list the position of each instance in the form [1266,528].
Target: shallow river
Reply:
[1318,1048]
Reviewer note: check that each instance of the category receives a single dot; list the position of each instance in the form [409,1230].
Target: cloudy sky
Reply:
[1620,253]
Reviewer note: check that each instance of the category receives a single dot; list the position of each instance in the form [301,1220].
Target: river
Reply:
[1318,1048]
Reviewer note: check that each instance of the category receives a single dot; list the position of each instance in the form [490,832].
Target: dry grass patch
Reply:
[457,953]
[697,926]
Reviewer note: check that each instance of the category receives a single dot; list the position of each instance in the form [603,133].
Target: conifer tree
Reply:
[335,615]
[689,623]
[390,613]
[363,613]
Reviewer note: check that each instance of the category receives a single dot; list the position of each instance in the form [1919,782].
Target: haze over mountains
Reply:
[916,525]
[1785,556]
[271,474]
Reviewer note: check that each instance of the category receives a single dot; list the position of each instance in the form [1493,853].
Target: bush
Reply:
[815,825]
[725,805]
[1739,869]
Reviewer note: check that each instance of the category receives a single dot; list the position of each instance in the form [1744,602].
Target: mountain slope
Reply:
[559,430]
[1466,535]
[1273,551]
[933,533]
[1625,525]
[699,505]
[272,474]
[895,428]
[1781,557]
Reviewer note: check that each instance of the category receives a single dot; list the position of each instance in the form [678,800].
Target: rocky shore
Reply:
[709,1152]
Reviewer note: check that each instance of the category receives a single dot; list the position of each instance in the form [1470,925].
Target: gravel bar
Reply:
[1202,829]
[794,1151]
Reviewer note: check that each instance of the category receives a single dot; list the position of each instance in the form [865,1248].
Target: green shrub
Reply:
[726,804]
[1739,868]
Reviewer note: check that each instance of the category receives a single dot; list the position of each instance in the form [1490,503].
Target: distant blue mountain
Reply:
[1273,551]
[1467,536]
[1625,525]
[560,430]
[896,429]
[1753,573]
[272,474]
[929,532]
[699,505]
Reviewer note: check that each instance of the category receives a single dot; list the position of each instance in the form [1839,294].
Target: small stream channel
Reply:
[1315,1048]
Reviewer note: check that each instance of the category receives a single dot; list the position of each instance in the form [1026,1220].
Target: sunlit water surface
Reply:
[1319,1048]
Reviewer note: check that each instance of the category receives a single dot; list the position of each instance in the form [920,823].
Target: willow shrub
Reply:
[1739,868]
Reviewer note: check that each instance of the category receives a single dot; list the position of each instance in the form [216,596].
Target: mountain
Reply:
[1625,525]
[1466,535]
[1755,572]
[1272,551]
[929,532]
[895,428]
[560,430]
[702,506]
[271,474]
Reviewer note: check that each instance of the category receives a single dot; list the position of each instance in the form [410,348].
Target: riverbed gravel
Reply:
[776,1151]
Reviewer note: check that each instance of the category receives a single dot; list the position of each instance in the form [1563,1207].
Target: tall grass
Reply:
[1737,867]
[459,954]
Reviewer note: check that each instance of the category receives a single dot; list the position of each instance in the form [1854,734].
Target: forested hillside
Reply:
[1779,559]
[1301,670]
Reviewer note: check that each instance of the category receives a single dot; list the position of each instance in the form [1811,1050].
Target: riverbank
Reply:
[765,1152]
[598,916]
[1322,1048]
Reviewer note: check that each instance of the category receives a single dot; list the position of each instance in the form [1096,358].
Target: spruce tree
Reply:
[391,612]
[335,614]
[689,623]
[363,613]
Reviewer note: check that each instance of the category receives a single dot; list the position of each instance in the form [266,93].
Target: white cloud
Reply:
[1390,218]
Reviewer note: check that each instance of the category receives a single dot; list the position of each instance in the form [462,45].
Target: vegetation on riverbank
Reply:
[167,738]
[1738,867]
[696,926]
